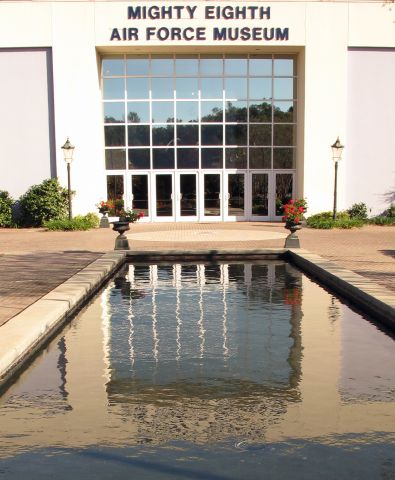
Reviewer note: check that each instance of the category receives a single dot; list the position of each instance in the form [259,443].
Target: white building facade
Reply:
[200,111]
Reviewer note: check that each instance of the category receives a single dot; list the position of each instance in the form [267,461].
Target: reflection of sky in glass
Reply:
[187,66]
[162,66]
[283,67]
[260,66]
[112,66]
[137,87]
[162,112]
[114,112]
[235,66]
[162,87]
[235,88]
[113,88]
[137,66]
[187,87]
[260,88]
[283,88]
[187,112]
[211,66]
[211,87]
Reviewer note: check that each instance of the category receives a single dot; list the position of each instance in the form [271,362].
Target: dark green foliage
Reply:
[382,220]
[358,210]
[79,222]
[43,202]
[6,203]
[325,221]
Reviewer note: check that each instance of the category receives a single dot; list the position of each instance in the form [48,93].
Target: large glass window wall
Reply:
[199,112]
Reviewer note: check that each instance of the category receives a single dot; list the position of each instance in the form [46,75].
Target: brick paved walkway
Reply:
[33,262]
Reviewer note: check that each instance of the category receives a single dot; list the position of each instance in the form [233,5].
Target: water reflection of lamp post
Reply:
[337,150]
[68,150]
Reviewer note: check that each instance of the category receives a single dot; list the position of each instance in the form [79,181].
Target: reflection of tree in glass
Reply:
[215,116]
[163,135]
[283,115]
[235,114]
[261,112]
[108,119]
[114,136]
[133,117]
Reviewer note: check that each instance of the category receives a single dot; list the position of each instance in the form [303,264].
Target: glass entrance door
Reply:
[164,194]
[212,196]
[235,196]
[283,192]
[259,189]
[140,194]
[186,205]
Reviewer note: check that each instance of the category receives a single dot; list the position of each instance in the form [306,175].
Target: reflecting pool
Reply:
[206,371]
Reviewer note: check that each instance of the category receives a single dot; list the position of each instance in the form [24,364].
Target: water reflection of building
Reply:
[218,321]
[81,393]
[198,349]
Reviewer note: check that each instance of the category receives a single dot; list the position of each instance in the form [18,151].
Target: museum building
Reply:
[200,111]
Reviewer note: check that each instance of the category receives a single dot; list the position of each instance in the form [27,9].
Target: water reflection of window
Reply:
[239,330]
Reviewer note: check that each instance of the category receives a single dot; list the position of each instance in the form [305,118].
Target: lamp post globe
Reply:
[68,151]
[337,150]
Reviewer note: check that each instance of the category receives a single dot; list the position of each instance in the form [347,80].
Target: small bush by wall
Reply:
[42,203]
[79,222]
[358,210]
[324,221]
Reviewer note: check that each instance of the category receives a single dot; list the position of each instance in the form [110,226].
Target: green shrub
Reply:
[79,222]
[358,210]
[324,221]
[43,202]
[6,203]
[382,220]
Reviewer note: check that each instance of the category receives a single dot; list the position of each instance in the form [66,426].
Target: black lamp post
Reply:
[68,151]
[337,150]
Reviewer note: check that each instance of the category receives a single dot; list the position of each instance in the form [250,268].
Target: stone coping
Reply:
[24,335]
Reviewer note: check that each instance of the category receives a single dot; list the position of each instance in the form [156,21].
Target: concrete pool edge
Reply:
[22,336]
[369,296]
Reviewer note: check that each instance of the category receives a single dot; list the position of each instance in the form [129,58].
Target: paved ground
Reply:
[33,262]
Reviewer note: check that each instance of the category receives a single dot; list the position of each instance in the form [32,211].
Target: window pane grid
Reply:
[242,105]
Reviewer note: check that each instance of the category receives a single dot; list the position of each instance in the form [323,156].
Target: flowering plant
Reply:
[294,210]
[105,206]
[131,216]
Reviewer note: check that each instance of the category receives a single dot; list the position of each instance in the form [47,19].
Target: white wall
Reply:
[325,101]
[334,85]
[370,161]
[26,121]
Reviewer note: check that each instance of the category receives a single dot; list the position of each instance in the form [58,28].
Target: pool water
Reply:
[209,371]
